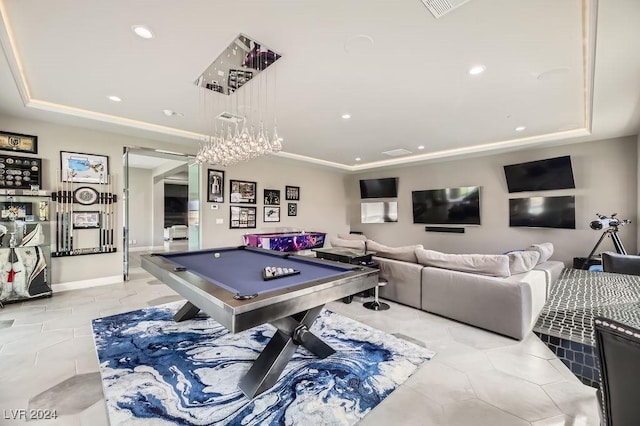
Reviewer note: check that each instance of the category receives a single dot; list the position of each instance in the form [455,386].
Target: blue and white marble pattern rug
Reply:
[156,371]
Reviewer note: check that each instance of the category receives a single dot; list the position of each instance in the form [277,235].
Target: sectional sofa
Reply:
[503,293]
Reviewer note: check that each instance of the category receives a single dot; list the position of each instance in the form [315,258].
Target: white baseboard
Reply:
[77,285]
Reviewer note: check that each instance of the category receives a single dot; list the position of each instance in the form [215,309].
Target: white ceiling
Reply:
[400,73]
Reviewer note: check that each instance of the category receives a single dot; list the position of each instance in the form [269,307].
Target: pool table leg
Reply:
[292,332]
[188,311]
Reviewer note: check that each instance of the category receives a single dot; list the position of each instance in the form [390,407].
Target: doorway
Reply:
[157,185]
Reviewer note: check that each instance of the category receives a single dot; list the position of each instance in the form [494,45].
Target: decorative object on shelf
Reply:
[84,168]
[86,196]
[271,214]
[25,251]
[215,185]
[292,209]
[20,172]
[243,192]
[286,241]
[292,193]
[272,197]
[242,217]
[18,142]
[68,218]
[246,137]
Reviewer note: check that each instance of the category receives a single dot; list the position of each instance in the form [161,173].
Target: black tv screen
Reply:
[449,206]
[543,212]
[379,188]
[176,198]
[541,175]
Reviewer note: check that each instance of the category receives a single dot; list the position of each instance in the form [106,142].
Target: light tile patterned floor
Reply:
[47,361]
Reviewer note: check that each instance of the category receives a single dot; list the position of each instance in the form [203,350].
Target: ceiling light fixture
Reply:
[520,128]
[171,113]
[477,69]
[142,31]
[346,116]
[421,147]
[114,98]
[358,158]
[248,138]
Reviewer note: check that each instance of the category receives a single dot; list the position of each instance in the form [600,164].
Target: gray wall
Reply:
[606,182]
[321,207]
[53,138]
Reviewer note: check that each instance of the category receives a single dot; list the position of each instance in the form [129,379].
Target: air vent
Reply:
[439,8]
[231,118]
[397,152]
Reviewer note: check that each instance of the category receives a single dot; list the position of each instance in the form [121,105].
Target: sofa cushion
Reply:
[356,237]
[405,253]
[545,250]
[522,260]
[353,244]
[496,265]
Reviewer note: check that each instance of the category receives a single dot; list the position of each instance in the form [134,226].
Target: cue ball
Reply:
[216,255]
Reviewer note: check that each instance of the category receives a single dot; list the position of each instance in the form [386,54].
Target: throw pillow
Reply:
[352,244]
[405,253]
[545,250]
[496,265]
[356,237]
[522,261]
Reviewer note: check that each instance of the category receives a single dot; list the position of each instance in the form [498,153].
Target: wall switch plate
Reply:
[219,221]
[214,207]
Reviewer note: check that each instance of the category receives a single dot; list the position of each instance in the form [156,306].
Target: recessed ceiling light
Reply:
[520,128]
[142,31]
[477,69]
[171,113]
[421,147]
[114,98]
[358,158]
[346,116]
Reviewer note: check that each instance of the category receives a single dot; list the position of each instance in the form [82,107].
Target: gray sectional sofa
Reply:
[500,293]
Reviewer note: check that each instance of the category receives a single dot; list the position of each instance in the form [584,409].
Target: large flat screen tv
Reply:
[543,212]
[449,206]
[541,175]
[379,188]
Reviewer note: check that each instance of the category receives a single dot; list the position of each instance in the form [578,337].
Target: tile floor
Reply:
[48,361]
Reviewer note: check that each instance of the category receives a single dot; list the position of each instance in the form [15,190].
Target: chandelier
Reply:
[240,138]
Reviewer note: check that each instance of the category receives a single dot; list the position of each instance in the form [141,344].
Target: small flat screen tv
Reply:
[449,206]
[379,188]
[543,212]
[541,175]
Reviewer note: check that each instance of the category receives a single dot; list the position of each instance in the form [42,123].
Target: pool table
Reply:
[228,285]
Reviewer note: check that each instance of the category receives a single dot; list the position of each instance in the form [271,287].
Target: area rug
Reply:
[156,371]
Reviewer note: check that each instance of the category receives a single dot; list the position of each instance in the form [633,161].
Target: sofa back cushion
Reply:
[545,250]
[352,244]
[522,260]
[405,253]
[356,237]
[496,265]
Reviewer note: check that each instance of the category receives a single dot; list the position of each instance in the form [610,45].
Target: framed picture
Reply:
[215,186]
[242,217]
[272,197]
[292,193]
[86,220]
[292,209]
[83,168]
[243,192]
[18,142]
[271,214]
[17,172]
[86,196]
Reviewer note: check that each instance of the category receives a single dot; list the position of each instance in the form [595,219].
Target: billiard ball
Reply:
[216,255]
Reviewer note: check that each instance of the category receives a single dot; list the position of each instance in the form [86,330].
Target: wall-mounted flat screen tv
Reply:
[449,206]
[543,212]
[541,175]
[379,188]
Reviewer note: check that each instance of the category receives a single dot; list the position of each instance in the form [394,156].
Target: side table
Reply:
[376,305]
